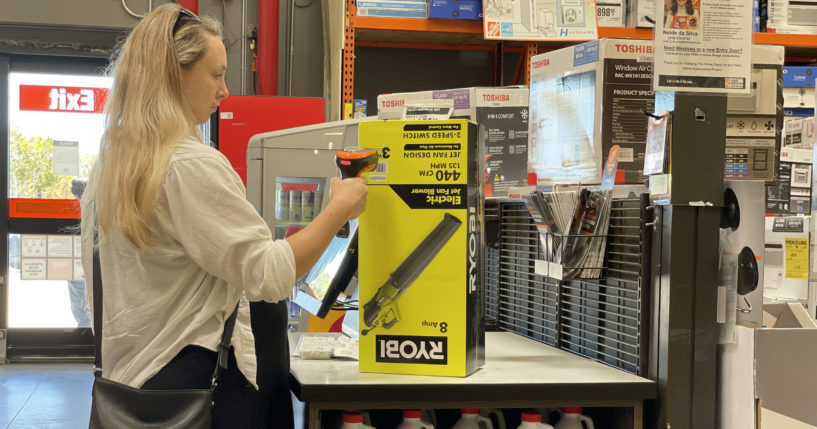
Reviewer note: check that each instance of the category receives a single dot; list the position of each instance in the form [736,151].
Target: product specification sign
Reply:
[703,46]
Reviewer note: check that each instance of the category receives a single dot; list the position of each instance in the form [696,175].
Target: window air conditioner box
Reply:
[792,16]
[753,122]
[583,100]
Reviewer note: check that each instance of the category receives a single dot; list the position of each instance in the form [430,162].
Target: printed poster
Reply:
[703,46]
[539,20]
[66,158]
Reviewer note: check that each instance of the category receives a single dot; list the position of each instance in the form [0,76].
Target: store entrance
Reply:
[53,114]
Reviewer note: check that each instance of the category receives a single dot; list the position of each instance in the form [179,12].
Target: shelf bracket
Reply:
[348,84]
[499,56]
[531,49]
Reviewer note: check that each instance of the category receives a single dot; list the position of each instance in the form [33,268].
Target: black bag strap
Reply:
[223,346]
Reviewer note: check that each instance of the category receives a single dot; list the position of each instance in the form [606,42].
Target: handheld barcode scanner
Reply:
[352,162]
[382,309]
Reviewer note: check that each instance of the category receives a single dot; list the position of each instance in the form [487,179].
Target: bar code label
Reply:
[377,178]
[382,167]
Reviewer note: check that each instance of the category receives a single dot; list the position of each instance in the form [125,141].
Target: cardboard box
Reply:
[393,4]
[455,9]
[392,8]
[641,13]
[753,121]
[583,100]
[798,87]
[420,249]
[504,114]
[767,376]
[768,419]
[792,17]
[786,363]
[791,195]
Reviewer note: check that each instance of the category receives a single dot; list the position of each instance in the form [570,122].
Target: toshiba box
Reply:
[420,249]
[502,111]
[583,100]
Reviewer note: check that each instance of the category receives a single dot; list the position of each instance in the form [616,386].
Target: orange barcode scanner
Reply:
[352,162]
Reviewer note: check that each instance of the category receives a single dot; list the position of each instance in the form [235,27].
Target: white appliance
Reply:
[742,247]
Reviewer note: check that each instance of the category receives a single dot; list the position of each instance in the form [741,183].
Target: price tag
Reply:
[609,15]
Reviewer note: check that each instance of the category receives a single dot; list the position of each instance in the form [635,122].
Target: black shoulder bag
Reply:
[116,405]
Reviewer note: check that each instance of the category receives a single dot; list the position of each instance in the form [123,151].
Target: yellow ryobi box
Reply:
[420,249]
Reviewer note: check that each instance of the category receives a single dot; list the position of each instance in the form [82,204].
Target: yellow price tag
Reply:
[797,258]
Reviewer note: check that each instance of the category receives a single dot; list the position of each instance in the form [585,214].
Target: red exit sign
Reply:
[62,99]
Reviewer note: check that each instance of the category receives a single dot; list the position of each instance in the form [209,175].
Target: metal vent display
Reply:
[605,319]
[492,251]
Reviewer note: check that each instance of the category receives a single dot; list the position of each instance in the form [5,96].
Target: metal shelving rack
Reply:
[404,33]
[606,320]
[366,31]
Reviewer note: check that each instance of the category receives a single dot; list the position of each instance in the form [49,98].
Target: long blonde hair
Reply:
[146,116]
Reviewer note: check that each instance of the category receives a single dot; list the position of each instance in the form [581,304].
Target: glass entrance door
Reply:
[55,123]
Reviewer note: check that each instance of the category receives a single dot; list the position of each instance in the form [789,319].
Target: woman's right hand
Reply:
[348,196]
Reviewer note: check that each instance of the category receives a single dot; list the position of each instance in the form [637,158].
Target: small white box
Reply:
[792,16]
[641,13]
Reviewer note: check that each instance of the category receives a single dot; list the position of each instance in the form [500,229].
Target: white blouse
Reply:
[212,249]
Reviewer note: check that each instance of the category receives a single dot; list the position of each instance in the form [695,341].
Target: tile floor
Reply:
[45,396]
[56,396]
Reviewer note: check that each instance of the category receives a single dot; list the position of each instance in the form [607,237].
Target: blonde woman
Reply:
[179,244]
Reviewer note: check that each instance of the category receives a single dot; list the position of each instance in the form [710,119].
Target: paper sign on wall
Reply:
[703,46]
[66,158]
[50,257]
[33,246]
[79,273]
[60,269]
[60,246]
[33,269]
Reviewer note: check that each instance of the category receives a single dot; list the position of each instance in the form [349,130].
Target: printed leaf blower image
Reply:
[382,309]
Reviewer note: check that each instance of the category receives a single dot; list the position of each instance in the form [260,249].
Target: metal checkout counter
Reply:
[289,170]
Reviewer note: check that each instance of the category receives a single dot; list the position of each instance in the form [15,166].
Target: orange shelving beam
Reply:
[788,40]
[409,24]
[431,46]
[625,33]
